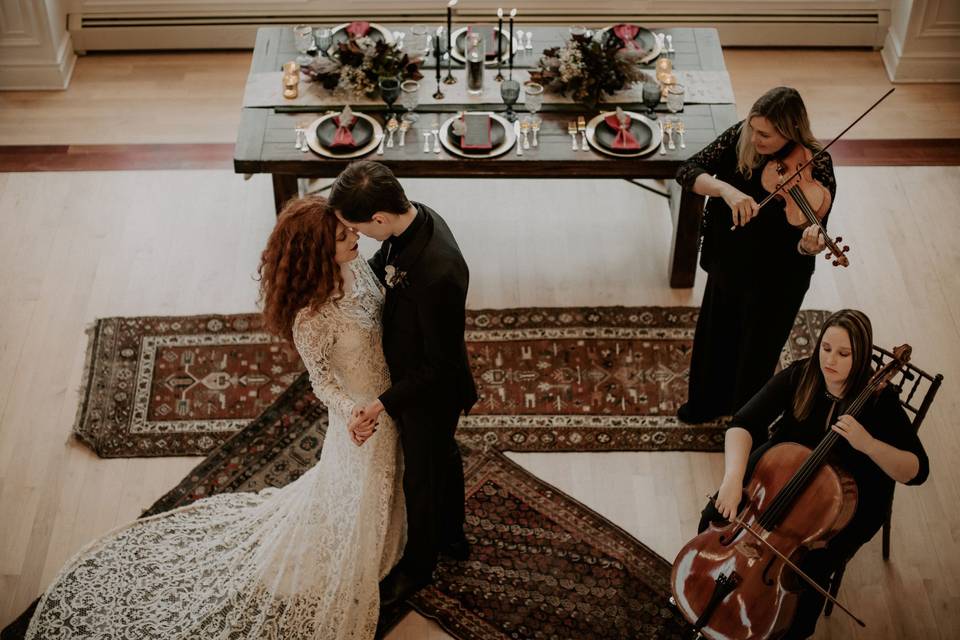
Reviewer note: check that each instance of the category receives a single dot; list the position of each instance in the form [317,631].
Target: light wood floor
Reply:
[76,246]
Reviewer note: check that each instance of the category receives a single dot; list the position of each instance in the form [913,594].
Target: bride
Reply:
[303,561]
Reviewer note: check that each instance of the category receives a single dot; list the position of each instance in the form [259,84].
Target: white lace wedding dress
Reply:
[303,561]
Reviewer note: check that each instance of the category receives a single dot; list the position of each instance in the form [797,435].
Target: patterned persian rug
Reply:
[542,564]
[550,379]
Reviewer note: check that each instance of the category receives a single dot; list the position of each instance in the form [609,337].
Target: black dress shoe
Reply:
[398,586]
[459,550]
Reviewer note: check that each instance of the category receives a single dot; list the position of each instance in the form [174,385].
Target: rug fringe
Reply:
[85,381]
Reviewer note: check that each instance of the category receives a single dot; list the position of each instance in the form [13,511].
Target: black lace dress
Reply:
[756,283]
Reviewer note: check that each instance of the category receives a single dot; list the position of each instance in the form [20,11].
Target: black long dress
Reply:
[756,283]
[886,421]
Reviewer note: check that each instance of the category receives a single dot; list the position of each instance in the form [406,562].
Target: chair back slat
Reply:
[910,382]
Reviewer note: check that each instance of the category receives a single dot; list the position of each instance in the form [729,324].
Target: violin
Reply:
[802,188]
[806,200]
[738,581]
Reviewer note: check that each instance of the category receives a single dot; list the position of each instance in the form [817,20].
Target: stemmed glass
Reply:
[510,92]
[675,93]
[420,40]
[389,91]
[533,97]
[303,41]
[651,98]
[324,37]
[409,99]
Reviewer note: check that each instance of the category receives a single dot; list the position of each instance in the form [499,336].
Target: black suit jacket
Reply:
[423,322]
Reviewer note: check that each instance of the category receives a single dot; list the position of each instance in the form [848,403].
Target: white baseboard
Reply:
[944,67]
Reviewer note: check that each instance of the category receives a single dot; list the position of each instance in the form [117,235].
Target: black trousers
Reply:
[433,486]
[741,330]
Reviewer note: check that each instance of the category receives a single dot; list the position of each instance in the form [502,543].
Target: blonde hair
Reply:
[785,110]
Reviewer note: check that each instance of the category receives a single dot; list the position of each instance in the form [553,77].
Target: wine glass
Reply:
[533,97]
[409,99]
[303,41]
[420,40]
[324,37]
[510,92]
[389,91]
[675,93]
[651,98]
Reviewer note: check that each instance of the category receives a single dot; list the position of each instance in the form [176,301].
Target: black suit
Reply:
[423,341]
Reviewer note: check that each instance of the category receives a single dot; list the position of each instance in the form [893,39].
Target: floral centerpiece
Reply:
[586,68]
[357,65]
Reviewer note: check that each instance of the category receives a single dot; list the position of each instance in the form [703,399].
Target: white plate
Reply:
[386,33]
[504,56]
[509,138]
[650,56]
[314,143]
[655,137]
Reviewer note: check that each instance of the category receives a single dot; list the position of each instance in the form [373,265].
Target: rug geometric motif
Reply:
[549,379]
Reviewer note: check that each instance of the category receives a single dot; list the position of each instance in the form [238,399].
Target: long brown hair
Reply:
[298,269]
[785,110]
[858,328]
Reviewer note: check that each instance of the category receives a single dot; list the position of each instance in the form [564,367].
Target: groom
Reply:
[423,324]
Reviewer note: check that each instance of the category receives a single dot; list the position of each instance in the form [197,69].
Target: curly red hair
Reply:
[298,268]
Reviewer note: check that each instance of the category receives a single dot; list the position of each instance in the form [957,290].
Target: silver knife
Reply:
[516,132]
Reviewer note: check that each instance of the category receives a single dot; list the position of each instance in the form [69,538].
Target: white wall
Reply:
[35,49]
[923,44]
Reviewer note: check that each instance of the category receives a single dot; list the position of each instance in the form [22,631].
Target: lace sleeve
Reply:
[314,337]
[708,159]
[823,173]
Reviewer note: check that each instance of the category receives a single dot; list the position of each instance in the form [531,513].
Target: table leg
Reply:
[686,211]
[284,188]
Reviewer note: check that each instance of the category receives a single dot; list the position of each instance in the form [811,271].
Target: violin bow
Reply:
[817,154]
[798,571]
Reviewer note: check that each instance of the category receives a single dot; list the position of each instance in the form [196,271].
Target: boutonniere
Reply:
[395,278]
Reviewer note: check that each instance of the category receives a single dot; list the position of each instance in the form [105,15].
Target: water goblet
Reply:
[324,38]
[303,41]
[533,97]
[651,98]
[675,94]
[389,92]
[510,93]
[409,99]
[420,40]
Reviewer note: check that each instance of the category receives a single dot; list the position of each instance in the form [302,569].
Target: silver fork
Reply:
[668,128]
[436,139]
[299,133]
[426,141]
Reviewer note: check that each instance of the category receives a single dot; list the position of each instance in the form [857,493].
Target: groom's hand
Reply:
[364,422]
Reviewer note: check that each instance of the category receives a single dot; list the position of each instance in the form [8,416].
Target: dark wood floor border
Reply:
[142,157]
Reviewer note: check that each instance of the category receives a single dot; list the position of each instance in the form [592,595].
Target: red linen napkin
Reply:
[624,139]
[343,137]
[358,28]
[628,33]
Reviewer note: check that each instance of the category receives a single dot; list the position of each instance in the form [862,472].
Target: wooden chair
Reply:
[913,385]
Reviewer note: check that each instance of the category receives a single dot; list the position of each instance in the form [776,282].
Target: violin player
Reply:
[758,262]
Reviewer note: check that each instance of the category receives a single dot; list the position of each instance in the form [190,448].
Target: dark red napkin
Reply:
[343,137]
[624,139]
[358,28]
[628,33]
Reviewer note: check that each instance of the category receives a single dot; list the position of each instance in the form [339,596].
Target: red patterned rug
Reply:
[542,564]
[550,379]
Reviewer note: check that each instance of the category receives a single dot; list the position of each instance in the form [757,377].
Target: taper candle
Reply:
[436,51]
[450,6]
[513,14]
[499,35]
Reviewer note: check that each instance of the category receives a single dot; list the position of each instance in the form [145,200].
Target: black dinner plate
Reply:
[460,46]
[497,136]
[644,37]
[362,134]
[605,135]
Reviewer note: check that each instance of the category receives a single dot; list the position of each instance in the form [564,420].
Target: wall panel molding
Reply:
[36,51]
[923,44]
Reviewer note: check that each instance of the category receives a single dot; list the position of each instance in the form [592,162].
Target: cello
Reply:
[740,581]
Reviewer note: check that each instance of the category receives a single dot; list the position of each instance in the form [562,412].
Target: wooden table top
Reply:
[265,141]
